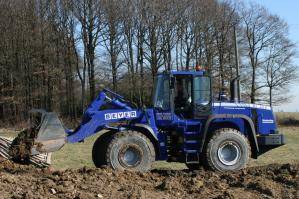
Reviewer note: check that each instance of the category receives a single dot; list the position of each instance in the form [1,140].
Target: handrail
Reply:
[113,93]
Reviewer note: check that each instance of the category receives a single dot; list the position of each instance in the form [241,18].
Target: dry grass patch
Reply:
[287,119]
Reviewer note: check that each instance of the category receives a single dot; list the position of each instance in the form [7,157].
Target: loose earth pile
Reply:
[20,149]
[272,181]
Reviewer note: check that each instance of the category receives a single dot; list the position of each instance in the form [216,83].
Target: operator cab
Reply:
[187,94]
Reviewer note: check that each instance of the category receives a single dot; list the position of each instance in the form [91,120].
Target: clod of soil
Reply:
[272,181]
[20,149]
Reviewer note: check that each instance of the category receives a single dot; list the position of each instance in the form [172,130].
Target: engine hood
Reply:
[234,105]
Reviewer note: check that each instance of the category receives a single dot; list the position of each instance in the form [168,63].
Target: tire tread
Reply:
[217,133]
[129,133]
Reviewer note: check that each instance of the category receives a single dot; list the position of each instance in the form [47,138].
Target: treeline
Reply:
[57,54]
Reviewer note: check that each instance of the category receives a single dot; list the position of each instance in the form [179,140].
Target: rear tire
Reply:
[227,150]
[130,150]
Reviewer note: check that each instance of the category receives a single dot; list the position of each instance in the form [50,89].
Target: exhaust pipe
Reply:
[234,90]
[235,83]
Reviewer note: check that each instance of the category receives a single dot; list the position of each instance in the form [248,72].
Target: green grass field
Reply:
[79,155]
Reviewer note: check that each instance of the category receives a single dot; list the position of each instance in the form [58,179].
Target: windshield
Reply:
[161,97]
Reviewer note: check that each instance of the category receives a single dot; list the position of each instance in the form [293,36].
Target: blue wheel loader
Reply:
[185,124]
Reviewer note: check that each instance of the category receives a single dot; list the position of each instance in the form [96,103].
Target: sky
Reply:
[289,11]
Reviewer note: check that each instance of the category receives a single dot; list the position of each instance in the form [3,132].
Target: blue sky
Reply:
[289,11]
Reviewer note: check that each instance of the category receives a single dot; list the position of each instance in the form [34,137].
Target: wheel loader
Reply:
[186,123]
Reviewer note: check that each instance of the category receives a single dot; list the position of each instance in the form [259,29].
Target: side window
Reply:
[183,92]
[201,93]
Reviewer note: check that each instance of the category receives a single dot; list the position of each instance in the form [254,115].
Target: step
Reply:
[190,151]
[191,133]
[193,123]
[191,141]
[192,158]
[186,123]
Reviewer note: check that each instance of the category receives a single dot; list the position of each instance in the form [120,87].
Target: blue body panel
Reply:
[265,121]
[96,119]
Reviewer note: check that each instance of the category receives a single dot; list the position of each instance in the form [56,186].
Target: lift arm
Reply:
[96,118]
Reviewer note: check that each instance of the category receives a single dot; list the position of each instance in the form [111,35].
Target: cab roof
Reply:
[184,72]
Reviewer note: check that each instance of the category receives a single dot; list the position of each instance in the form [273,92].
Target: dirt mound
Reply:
[20,148]
[272,181]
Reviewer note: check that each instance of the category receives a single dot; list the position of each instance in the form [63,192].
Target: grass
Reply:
[80,154]
[281,115]
[287,119]
[284,154]
[8,133]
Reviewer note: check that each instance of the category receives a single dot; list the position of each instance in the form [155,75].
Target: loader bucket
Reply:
[45,134]
[51,135]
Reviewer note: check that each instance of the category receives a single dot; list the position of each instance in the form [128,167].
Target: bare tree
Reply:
[153,19]
[50,51]
[89,13]
[113,36]
[261,30]
[226,19]
[129,21]
[279,71]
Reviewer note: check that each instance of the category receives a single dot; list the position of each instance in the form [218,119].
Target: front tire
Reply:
[130,150]
[227,150]
[99,150]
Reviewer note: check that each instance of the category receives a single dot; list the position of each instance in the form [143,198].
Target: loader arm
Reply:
[96,118]
[52,135]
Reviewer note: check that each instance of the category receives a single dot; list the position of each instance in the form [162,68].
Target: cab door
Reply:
[162,100]
[182,99]
[202,96]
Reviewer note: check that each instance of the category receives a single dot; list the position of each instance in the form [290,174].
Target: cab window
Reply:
[202,95]
[162,94]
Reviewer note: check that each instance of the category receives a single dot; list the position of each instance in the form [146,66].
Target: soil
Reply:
[272,181]
[2,159]
[20,149]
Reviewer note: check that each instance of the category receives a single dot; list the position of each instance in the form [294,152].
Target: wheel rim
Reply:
[229,153]
[130,156]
